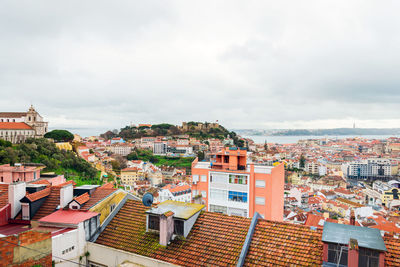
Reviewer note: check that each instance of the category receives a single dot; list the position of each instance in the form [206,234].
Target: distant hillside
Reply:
[45,152]
[338,131]
[199,130]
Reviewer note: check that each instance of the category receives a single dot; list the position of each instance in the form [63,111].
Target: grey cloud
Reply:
[100,65]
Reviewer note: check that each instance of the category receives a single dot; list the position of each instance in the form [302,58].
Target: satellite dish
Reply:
[147,199]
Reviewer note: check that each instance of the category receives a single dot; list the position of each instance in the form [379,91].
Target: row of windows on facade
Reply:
[19,132]
[13,120]
[233,179]
[68,250]
[230,210]
[224,195]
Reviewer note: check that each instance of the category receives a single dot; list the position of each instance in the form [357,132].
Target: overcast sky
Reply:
[96,65]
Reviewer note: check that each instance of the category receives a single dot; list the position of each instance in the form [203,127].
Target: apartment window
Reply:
[195,193]
[260,200]
[237,179]
[219,209]
[195,178]
[154,222]
[334,254]
[203,193]
[237,196]
[368,257]
[260,183]
[218,178]
[237,212]
[218,194]
[203,178]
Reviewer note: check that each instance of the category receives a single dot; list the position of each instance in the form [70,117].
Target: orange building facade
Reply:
[230,185]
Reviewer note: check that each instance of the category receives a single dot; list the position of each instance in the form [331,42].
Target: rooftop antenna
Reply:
[147,199]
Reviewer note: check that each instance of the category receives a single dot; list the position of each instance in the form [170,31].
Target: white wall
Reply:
[74,238]
[113,257]
[16,192]
[66,195]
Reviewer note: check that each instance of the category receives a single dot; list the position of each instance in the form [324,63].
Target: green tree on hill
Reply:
[43,151]
[60,135]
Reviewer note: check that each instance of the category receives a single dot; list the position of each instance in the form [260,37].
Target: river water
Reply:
[260,139]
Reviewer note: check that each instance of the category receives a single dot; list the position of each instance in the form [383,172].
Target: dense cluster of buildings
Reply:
[319,202]
[49,221]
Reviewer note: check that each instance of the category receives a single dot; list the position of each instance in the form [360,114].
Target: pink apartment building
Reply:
[229,184]
[10,174]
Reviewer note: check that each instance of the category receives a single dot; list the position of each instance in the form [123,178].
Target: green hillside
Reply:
[46,152]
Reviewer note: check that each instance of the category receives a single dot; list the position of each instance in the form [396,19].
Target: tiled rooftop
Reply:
[39,194]
[207,243]
[50,204]
[392,255]
[99,194]
[284,244]
[82,198]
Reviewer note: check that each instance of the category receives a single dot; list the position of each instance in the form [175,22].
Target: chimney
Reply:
[353,253]
[16,191]
[352,218]
[166,227]
[66,195]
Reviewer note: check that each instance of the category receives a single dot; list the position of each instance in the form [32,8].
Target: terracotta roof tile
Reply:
[206,245]
[99,194]
[50,204]
[38,195]
[107,185]
[66,183]
[82,198]
[392,255]
[15,126]
[12,114]
[41,182]
[284,244]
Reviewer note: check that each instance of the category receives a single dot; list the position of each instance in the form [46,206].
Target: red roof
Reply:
[392,255]
[68,216]
[14,126]
[174,189]
[82,198]
[42,182]
[98,195]
[38,195]
[315,220]
[12,114]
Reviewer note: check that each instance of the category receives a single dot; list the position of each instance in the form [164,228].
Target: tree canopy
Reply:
[45,152]
[60,135]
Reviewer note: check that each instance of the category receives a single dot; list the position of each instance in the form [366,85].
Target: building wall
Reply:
[26,249]
[108,256]
[16,136]
[69,245]
[267,200]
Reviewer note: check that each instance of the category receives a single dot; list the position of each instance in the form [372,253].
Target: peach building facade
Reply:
[10,174]
[229,184]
